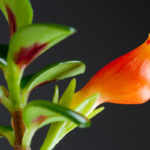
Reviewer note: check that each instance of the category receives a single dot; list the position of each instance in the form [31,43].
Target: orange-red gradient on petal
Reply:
[126,80]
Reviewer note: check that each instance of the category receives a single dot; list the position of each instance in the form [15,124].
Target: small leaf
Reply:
[95,112]
[56,95]
[3,57]
[7,132]
[42,112]
[53,72]
[18,13]
[67,96]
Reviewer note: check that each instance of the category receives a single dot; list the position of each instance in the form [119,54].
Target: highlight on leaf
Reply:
[3,57]
[17,13]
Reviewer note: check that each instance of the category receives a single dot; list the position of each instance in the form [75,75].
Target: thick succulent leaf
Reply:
[7,132]
[3,56]
[32,40]
[67,96]
[42,112]
[59,129]
[95,112]
[17,12]
[56,95]
[53,72]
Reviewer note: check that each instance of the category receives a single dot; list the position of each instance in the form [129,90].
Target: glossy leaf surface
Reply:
[42,112]
[53,72]
[32,40]
[8,133]
[18,13]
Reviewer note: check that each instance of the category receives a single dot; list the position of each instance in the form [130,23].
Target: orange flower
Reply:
[126,80]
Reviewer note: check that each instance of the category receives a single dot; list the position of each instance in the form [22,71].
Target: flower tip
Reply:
[148,39]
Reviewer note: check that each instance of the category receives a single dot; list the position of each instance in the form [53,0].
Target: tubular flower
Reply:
[126,80]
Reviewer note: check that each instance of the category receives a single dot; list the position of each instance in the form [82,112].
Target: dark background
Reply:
[106,30]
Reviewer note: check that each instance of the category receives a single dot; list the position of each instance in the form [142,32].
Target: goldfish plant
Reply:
[124,80]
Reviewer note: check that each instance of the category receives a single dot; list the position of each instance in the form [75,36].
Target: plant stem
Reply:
[19,128]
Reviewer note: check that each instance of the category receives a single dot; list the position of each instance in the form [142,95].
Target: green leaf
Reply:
[53,72]
[42,112]
[67,96]
[87,105]
[3,57]
[56,95]
[18,13]
[8,133]
[32,40]
[95,112]
[39,113]
[59,129]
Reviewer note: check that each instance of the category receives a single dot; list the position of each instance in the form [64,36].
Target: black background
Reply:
[106,30]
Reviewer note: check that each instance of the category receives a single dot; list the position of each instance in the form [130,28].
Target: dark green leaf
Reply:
[3,56]
[42,112]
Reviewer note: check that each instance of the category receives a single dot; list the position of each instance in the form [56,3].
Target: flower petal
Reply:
[125,80]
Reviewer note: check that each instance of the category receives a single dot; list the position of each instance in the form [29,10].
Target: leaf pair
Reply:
[26,44]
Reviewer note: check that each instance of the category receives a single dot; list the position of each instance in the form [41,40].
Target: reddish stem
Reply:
[19,128]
